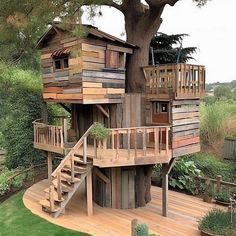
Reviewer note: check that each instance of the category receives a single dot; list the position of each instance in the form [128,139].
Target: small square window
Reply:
[57,64]
[66,63]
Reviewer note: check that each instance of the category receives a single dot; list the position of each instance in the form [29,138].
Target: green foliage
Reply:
[16,220]
[4,183]
[211,166]
[214,120]
[20,101]
[164,52]
[223,197]
[141,230]
[218,222]
[183,174]
[223,91]
[99,131]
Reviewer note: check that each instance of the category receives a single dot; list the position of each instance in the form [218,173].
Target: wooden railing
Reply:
[136,142]
[218,184]
[51,135]
[175,80]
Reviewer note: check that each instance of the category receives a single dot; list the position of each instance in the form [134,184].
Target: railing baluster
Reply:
[85,150]
[144,142]
[117,143]
[167,140]
[128,142]
[51,198]
[72,169]
[156,140]
[59,190]
[161,141]
[113,143]
[135,143]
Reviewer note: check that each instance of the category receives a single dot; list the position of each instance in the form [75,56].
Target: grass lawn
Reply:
[16,220]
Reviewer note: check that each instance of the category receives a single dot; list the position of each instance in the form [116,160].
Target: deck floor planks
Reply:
[184,212]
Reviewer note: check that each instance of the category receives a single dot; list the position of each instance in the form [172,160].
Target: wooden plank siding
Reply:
[185,127]
[86,80]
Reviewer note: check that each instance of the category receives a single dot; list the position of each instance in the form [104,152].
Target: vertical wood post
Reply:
[134,224]
[51,198]
[165,190]
[89,194]
[49,159]
[65,130]
[85,150]
[218,184]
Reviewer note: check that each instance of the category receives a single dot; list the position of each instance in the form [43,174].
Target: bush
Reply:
[182,175]
[211,166]
[99,131]
[20,101]
[141,230]
[4,183]
[218,222]
[223,197]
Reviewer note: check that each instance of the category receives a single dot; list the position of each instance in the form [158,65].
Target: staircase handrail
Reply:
[72,151]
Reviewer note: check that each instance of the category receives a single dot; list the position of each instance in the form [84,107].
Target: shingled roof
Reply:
[89,30]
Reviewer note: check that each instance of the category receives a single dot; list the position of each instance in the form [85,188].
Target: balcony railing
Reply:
[177,81]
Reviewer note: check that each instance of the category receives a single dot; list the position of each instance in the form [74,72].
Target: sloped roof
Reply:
[89,29]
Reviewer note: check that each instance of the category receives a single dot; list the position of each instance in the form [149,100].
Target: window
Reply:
[61,63]
[160,112]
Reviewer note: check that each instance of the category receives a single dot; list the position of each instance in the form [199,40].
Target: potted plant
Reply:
[218,223]
[223,198]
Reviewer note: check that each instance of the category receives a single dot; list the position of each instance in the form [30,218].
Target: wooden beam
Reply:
[65,107]
[164,190]
[89,194]
[101,175]
[166,168]
[103,111]
[49,159]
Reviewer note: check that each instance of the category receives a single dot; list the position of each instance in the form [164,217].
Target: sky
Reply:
[212,29]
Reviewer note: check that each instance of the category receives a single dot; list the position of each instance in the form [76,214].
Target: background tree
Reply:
[165,52]
[223,91]
[21,24]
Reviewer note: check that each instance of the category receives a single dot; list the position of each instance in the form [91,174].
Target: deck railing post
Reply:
[85,149]
[218,184]
[72,169]
[59,190]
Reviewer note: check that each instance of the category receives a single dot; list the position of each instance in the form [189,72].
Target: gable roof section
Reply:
[89,29]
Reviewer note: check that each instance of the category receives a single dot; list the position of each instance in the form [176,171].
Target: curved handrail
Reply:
[72,152]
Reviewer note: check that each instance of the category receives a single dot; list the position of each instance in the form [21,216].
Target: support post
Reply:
[164,190]
[166,168]
[49,159]
[218,184]
[134,224]
[89,194]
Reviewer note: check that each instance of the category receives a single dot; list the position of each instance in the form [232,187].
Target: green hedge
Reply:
[21,103]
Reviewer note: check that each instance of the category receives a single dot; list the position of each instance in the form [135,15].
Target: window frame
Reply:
[62,59]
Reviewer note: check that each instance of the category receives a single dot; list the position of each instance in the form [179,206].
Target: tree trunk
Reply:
[143,185]
[140,30]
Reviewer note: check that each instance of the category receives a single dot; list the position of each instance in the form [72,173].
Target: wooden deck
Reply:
[184,212]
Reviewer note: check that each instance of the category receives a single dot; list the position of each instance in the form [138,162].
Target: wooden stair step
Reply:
[55,195]
[81,161]
[46,205]
[79,154]
[67,177]
[65,187]
[77,169]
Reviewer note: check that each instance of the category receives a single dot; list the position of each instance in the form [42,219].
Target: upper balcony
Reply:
[174,81]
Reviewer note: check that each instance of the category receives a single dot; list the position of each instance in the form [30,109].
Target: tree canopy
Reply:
[22,23]
[164,51]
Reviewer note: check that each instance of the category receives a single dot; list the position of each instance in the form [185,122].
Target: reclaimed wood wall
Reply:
[88,79]
[185,127]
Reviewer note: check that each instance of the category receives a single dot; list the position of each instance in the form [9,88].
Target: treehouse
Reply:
[86,75]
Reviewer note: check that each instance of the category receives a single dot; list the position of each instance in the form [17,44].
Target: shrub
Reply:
[141,230]
[218,222]
[99,131]
[211,166]
[182,175]
[223,197]
[20,101]
[4,183]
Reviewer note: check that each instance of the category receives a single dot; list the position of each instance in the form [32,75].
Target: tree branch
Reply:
[109,3]
[161,3]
